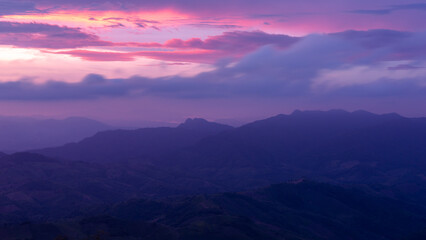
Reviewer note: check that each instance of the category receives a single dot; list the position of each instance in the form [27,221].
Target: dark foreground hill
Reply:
[299,210]
[34,187]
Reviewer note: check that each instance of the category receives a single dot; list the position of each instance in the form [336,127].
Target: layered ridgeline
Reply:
[38,187]
[357,147]
[22,133]
[297,210]
[384,155]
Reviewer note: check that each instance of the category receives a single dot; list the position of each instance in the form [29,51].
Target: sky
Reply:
[130,61]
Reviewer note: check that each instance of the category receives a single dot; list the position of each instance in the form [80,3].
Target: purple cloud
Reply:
[393,8]
[374,38]
[323,67]
[37,35]
[17,7]
[386,44]
[405,67]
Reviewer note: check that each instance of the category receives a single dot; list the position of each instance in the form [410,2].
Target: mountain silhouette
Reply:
[334,146]
[146,144]
[200,124]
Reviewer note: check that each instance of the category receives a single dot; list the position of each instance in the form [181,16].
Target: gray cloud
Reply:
[16,7]
[393,8]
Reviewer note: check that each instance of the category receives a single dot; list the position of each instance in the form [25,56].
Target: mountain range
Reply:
[339,146]
[361,168]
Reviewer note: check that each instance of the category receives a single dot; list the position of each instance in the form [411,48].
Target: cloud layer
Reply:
[349,64]
[335,51]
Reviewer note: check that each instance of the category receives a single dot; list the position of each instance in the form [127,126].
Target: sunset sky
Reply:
[163,60]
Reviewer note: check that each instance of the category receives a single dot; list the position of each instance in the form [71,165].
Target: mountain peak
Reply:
[196,121]
[295,112]
[202,124]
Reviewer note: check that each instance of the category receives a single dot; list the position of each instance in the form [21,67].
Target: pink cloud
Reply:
[230,41]
[198,56]
[227,45]
[98,55]
[235,41]
[394,45]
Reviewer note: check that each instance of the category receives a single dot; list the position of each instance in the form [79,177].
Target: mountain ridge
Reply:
[129,144]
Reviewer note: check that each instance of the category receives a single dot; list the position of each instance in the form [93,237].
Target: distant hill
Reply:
[199,124]
[145,144]
[301,210]
[20,133]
